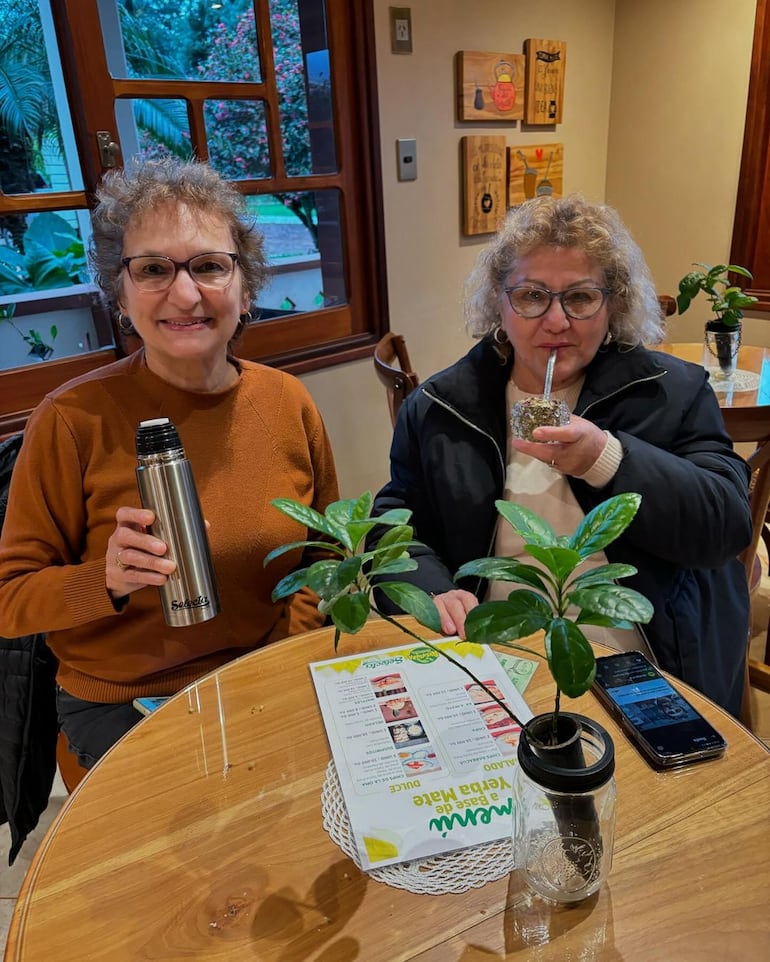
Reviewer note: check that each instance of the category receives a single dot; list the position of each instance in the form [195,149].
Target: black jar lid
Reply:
[156,436]
[564,769]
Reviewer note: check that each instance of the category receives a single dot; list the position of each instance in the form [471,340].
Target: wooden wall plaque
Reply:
[484,176]
[535,171]
[490,86]
[544,96]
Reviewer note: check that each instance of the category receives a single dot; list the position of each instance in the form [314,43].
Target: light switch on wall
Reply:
[406,151]
[400,30]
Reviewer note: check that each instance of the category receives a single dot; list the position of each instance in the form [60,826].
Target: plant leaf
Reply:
[290,583]
[604,523]
[496,621]
[504,569]
[394,516]
[322,578]
[561,562]
[614,601]
[601,574]
[350,612]
[396,566]
[393,544]
[570,657]
[528,525]
[362,507]
[311,519]
[414,601]
[277,552]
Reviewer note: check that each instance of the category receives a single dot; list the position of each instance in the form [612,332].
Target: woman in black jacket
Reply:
[564,275]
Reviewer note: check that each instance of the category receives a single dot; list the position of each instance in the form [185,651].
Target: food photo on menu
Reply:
[385,685]
[479,695]
[398,709]
[419,761]
[411,733]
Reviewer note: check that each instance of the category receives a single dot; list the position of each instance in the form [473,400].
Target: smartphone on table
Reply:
[660,721]
[148,705]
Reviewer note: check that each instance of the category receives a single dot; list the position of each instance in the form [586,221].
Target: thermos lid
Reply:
[156,436]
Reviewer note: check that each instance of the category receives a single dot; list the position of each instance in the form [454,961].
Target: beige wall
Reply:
[655,96]
[679,87]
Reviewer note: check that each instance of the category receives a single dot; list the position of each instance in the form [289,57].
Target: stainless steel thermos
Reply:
[167,487]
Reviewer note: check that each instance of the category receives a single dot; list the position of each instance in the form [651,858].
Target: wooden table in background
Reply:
[199,836]
[750,358]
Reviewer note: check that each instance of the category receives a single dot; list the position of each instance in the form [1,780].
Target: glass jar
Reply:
[564,807]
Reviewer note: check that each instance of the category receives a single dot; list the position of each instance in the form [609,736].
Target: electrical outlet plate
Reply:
[401,29]
[406,151]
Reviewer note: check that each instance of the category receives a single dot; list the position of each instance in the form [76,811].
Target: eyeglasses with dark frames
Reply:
[153,272]
[578,303]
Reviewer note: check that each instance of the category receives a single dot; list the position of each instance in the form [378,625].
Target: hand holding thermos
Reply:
[184,573]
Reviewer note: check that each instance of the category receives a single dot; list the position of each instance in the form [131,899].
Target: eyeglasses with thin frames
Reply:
[578,303]
[213,270]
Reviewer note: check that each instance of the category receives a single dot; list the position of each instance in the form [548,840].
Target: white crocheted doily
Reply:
[450,872]
[739,380]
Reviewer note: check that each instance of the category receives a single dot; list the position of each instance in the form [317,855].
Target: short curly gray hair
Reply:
[634,311]
[124,196]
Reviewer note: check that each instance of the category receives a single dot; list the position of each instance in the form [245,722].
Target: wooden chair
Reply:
[71,772]
[752,425]
[394,369]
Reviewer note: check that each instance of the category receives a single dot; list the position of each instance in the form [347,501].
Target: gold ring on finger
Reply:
[119,563]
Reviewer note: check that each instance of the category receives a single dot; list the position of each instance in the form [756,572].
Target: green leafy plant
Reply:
[345,583]
[727,299]
[37,346]
[556,586]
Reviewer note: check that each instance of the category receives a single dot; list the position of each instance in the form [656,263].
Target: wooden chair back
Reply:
[394,369]
[752,426]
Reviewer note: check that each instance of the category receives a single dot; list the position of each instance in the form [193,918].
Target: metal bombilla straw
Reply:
[549,374]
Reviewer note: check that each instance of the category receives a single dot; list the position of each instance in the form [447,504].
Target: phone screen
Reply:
[148,705]
[660,720]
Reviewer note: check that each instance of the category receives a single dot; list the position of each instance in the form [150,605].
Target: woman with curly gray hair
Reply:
[563,281]
[79,557]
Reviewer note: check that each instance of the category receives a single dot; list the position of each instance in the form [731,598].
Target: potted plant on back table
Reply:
[723,330]
[553,742]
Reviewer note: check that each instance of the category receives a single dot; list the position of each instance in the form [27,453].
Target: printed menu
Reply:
[423,754]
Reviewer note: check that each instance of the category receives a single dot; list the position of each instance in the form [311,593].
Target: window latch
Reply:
[108,149]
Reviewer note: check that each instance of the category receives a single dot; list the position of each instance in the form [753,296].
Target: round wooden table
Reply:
[199,836]
[754,361]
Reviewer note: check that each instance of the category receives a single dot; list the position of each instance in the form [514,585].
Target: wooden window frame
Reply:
[751,228]
[300,342]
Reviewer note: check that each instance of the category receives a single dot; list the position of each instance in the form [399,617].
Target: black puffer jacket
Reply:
[448,466]
[28,725]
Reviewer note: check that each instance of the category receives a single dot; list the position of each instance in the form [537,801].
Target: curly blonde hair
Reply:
[635,315]
[125,196]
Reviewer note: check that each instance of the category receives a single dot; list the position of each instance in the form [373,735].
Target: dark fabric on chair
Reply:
[28,725]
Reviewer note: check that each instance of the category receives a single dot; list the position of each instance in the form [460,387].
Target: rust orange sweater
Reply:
[259,440]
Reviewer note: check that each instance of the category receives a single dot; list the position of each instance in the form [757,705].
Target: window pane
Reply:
[237,138]
[181,39]
[40,252]
[48,306]
[302,77]
[303,240]
[37,146]
[153,128]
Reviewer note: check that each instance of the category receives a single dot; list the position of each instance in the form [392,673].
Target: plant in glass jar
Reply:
[727,301]
[552,746]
